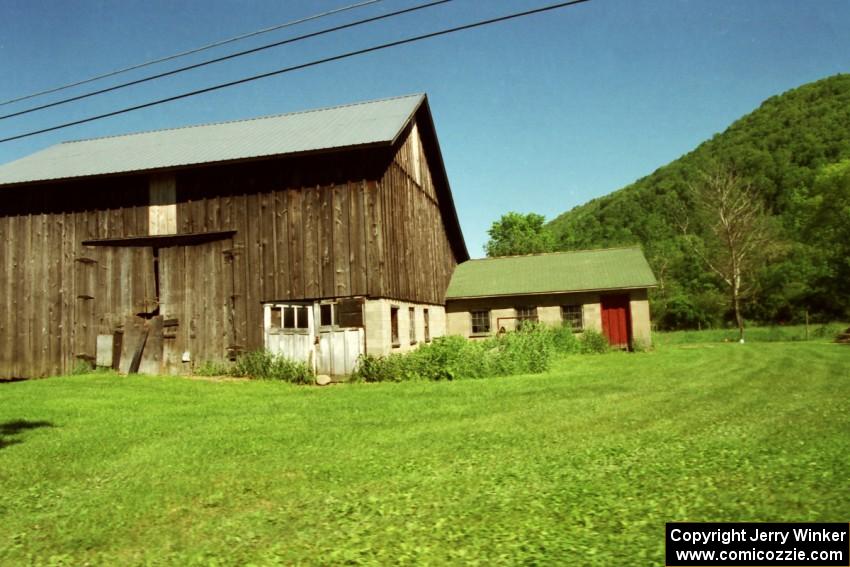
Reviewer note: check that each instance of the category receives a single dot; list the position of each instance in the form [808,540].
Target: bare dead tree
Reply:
[736,230]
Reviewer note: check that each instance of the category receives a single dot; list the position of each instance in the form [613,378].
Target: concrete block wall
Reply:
[376,320]
[641,324]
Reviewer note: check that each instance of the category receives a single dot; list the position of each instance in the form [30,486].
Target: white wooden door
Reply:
[288,331]
[338,350]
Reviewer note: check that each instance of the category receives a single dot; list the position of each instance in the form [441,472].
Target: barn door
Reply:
[288,330]
[617,320]
[339,344]
[124,284]
[197,304]
[113,284]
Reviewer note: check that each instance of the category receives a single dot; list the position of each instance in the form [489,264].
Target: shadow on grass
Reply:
[16,427]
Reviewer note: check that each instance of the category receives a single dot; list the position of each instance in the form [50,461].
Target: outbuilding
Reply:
[605,290]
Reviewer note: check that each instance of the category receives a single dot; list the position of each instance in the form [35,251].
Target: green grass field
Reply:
[581,465]
[775,333]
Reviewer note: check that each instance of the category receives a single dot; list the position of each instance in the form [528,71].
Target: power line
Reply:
[301,66]
[191,51]
[223,58]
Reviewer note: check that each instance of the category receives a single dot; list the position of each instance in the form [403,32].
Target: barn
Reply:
[319,235]
[604,290]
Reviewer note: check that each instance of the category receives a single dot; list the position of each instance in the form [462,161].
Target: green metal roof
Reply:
[582,270]
[364,123]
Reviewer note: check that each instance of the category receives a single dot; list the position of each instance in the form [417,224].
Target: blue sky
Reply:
[539,114]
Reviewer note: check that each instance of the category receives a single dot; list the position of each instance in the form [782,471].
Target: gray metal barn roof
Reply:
[358,124]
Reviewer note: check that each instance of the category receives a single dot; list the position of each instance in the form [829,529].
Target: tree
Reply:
[788,149]
[736,232]
[825,221]
[516,233]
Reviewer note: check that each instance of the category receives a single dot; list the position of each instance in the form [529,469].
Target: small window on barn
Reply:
[301,321]
[426,320]
[288,317]
[525,315]
[412,324]
[480,322]
[349,312]
[275,319]
[572,315]
[394,326]
[328,314]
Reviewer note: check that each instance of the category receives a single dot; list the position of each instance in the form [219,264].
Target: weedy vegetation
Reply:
[528,350]
[261,365]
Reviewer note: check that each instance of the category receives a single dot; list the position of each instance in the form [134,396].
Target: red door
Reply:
[617,320]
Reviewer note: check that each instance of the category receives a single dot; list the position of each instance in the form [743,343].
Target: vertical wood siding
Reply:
[57,294]
[334,226]
[338,225]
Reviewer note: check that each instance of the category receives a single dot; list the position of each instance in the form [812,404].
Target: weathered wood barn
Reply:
[603,290]
[320,235]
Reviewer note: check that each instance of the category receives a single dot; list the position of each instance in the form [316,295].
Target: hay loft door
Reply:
[617,320]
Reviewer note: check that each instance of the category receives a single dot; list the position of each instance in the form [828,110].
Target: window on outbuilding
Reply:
[525,315]
[480,322]
[426,320]
[572,315]
[394,326]
[411,323]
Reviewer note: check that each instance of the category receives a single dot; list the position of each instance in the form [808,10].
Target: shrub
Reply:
[565,340]
[828,330]
[526,350]
[479,359]
[372,368]
[593,341]
[438,360]
[267,366]
[453,357]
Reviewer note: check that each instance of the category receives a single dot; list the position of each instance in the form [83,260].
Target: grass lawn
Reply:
[582,465]
[781,333]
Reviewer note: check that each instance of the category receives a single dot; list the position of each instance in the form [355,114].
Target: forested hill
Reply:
[795,150]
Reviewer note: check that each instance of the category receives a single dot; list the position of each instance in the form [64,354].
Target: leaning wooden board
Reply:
[151,358]
[134,331]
